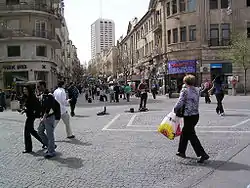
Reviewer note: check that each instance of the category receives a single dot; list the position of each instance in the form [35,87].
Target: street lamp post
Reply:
[165,63]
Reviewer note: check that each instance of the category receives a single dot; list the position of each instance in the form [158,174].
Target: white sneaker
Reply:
[222,114]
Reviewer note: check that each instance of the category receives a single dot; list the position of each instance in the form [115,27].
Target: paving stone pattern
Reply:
[109,159]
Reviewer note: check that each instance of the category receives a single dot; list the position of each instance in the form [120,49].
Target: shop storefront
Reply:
[177,70]
[28,71]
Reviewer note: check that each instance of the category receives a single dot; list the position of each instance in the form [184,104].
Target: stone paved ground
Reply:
[124,150]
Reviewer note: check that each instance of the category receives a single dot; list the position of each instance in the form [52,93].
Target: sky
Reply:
[80,14]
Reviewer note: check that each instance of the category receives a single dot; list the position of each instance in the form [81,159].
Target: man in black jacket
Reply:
[47,120]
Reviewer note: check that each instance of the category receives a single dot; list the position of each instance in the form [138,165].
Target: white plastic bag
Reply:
[170,126]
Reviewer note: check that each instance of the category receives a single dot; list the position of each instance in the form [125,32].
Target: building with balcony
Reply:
[29,41]
[176,37]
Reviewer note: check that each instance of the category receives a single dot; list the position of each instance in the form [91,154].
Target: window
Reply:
[182,5]
[224,3]
[214,34]
[175,35]
[40,29]
[248,3]
[191,5]
[12,2]
[225,34]
[213,4]
[41,51]
[14,51]
[168,9]
[174,6]
[248,29]
[192,33]
[183,34]
[169,37]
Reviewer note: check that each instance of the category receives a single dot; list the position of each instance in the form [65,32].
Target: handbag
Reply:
[180,112]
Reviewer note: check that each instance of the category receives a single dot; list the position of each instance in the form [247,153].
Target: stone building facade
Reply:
[177,36]
[33,38]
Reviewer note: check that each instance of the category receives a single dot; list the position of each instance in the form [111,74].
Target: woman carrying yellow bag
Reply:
[188,107]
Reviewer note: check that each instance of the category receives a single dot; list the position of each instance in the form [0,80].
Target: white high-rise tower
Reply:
[102,36]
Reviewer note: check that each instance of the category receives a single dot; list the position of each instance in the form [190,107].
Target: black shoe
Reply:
[71,137]
[203,158]
[27,151]
[182,155]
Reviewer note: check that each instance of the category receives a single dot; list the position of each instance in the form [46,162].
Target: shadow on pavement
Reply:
[75,142]
[70,162]
[220,165]
[81,116]
[236,115]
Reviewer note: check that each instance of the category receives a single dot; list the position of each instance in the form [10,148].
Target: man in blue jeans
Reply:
[47,120]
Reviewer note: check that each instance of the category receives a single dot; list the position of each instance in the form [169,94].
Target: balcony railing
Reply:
[8,33]
[219,42]
[26,6]
[157,26]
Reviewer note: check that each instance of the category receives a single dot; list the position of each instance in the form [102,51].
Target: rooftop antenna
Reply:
[100,8]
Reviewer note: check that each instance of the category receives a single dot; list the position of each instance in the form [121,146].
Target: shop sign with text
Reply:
[182,66]
[14,67]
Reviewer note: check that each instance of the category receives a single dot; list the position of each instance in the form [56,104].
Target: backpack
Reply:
[55,107]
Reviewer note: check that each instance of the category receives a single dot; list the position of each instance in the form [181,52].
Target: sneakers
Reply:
[71,137]
[49,155]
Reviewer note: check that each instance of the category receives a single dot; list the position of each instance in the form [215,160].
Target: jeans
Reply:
[144,98]
[66,120]
[128,96]
[28,131]
[189,134]
[219,98]
[48,139]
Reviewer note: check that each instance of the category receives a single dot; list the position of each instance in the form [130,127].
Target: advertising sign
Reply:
[182,66]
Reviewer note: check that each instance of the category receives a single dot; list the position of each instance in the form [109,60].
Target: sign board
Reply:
[182,66]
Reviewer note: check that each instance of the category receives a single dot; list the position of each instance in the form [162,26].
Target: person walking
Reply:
[143,89]
[60,96]
[73,95]
[49,113]
[32,109]
[206,92]
[154,90]
[127,91]
[219,93]
[117,92]
[188,107]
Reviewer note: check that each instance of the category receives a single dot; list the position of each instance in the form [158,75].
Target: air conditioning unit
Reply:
[205,68]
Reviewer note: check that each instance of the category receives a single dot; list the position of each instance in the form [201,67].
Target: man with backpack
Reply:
[50,111]
[60,96]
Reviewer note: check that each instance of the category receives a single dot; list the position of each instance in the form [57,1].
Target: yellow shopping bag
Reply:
[170,126]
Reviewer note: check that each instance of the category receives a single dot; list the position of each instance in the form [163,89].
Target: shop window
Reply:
[175,35]
[182,5]
[248,3]
[225,34]
[213,4]
[169,37]
[214,35]
[191,5]
[174,6]
[14,51]
[41,51]
[168,9]
[224,3]
[248,29]
[183,34]
[192,33]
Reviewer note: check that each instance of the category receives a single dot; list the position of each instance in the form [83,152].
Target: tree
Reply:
[239,53]
[78,73]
